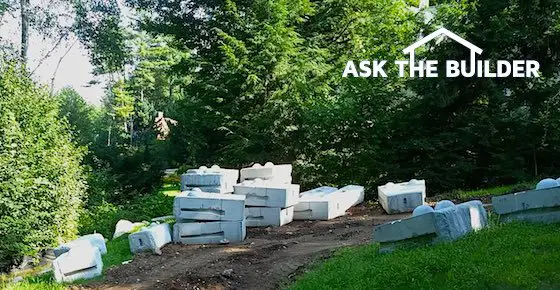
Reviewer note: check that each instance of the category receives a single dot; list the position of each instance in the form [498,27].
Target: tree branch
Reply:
[58,65]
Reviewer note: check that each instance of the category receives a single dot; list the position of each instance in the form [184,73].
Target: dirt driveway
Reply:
[268,258]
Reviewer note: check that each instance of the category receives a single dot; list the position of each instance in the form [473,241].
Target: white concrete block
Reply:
[447,224]
[192,205]
[262,193]
[456,221]
[151,238]
[268,216]
[80,262]
[326,203]
[405,228]
[526,200]
[95,240]
[277,173]
[125,227]
[402,197]
[209,232]
[214,177]
[226,188]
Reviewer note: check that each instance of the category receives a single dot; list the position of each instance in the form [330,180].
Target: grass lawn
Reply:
[504,256]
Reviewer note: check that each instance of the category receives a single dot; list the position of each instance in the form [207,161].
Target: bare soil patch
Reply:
[266,259]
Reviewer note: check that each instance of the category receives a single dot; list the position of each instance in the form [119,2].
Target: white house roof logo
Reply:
[428,68]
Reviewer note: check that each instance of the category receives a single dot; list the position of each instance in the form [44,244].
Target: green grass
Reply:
[497,190]
[504,256]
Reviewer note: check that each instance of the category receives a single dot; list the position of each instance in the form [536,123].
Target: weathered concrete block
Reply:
[444,224]
[326,203]
[151,238]
[80,262]
[276,173]
[547,183]
[209,232]
[402,197]
[405,228]
[217,179]
[526,200]
[268,216]
[456,221]
[226,188]
[545,215]
[193,205]
[262,193]
[95,240]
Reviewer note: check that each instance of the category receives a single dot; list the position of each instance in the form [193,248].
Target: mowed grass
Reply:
[504,256]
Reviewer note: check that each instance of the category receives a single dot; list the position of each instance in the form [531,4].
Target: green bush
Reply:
[41,179]
[103,217]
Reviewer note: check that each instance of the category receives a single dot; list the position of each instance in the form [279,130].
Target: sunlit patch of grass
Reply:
[504,256]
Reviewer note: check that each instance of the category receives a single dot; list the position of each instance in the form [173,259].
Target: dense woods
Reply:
[258,81]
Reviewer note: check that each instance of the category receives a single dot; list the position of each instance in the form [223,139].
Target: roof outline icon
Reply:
[411,48]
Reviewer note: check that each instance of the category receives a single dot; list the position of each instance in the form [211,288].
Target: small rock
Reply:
[17,279]
[227,272]
[126,262]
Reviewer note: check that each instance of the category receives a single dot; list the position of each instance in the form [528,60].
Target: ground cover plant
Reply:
[503,256]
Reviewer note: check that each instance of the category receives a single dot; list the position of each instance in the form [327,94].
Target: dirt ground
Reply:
[268,258]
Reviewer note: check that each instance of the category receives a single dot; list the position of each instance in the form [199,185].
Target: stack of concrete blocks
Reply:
[402,197]
[325,203]
[446,223]
[214,179]
[539,205]
[151,238]
[208,218]
[270,196]
[79,259]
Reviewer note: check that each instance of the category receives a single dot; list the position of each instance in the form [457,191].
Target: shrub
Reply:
[41,179]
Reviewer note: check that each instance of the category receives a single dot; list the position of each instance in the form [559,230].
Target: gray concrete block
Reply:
[209,206]
[526,200]
[209,232]
[80,262]
[95,240]
[277,173]
[402,197]
[456,221]
[326,203]
[447,224]
[542,215]
[268,216]
[405,228]
[213,177]
[225,188]
[262,193]
[151,238]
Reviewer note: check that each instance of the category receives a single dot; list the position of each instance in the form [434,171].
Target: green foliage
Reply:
[41,179]
[103,217]
[504,256]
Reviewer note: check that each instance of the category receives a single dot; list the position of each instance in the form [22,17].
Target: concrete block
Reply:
[326,203]
[80,262]
[95,240]
[422,209]
[192,205]
[526,200]
[277,173]
[213,177]
[226,188]
[546,215]
[262,193]
[209,232]
[456,221]
[405,228]
[268,216]
[444,224]
[151,238]
[125,227]
[402,197]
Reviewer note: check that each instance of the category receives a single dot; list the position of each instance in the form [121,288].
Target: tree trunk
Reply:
[24,7]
